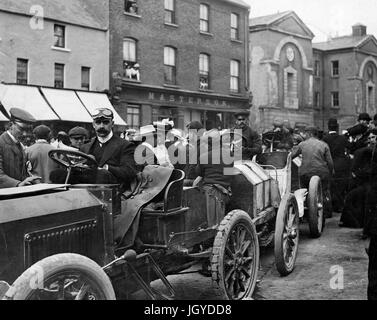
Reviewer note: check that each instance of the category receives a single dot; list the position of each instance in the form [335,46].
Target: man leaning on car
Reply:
[13,171]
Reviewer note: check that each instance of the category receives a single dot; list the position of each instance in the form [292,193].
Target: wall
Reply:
[87,47]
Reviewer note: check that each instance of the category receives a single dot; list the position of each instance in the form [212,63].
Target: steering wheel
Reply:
[71,159]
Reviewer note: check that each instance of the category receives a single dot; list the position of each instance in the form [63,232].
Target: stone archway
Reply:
[364,63]
[292,40]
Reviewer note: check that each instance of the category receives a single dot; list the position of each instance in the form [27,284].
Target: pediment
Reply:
[292,24]
[369,45]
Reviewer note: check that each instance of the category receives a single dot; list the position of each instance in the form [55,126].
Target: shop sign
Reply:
[187,100]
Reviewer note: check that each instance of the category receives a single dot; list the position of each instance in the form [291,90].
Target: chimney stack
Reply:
[359,30]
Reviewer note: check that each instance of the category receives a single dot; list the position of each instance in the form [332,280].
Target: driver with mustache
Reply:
[115,156]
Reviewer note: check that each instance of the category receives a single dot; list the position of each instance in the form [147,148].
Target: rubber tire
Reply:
[281,265]
[21,290]
[314,185]
[228,223]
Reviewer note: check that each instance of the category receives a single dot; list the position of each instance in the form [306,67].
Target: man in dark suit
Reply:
[251,143]
[115,156]
[339,148]
[13,171]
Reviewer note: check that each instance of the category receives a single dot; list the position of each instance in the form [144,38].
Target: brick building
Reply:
[281,70]
[345,77]
[185,60]
[54,59]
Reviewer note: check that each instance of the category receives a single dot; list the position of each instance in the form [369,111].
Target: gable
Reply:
[369,46]
[292,25]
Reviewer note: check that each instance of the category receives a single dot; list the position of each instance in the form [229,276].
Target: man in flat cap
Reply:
[316,161]
[251,143]
[115,156]
[37,155]
[78,137]
[13,171]
[360,132]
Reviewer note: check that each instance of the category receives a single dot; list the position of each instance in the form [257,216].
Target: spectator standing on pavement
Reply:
[339,148]
[13,171]
[62,141]
[37,155]
[316,161]
[78,137]
[359,133]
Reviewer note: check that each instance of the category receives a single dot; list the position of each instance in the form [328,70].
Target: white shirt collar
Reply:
[106,139]
[41,141]
[332,132]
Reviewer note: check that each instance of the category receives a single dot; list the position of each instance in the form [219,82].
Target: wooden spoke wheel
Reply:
[62,277]
[235,256]
[287,235]
[315,207]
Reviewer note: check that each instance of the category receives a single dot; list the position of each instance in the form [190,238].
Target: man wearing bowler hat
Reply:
[251,141]
[13,171]
[115,156]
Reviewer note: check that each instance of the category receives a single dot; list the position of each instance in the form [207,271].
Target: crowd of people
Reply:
[345,162]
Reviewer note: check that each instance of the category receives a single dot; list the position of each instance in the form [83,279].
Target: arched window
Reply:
[170,65]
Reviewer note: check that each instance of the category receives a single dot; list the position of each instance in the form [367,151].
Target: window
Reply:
[170,65]
[130,6]
[335,99]
[133,116]
[335,68]
[234,29]
[316,99]
[59,36]
[204,71]
[170,11]
[22,71]
[130,65]
[316,68]
[234,76]
[204,18]
[85,78]
[59,75]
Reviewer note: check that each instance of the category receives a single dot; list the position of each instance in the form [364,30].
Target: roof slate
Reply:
[340,43]
[88,13]
[266,20]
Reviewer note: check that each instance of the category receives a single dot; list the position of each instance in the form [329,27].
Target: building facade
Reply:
[281,70]
[345,76]
[55,44]
[185,60]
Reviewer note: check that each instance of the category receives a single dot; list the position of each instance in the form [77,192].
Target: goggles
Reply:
[103,113]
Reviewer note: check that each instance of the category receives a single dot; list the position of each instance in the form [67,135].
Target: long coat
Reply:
[12,162]
[118,155]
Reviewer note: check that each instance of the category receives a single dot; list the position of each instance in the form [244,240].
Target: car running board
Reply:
[153,294]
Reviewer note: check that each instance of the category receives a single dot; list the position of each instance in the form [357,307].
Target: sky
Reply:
[323,17]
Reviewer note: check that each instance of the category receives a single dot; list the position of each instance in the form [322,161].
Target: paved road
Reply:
[333,267]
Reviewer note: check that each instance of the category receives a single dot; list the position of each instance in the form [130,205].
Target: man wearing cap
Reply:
[78,137]
[13,171]
[115,156]
[37,155]
[339,148]
[316,161]
[251,141]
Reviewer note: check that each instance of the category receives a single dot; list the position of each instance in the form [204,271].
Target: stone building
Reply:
[281,70]
[184,60]
[345,75]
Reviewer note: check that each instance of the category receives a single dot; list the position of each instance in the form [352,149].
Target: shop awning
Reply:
[27,98]
[93,100]
[67,105]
